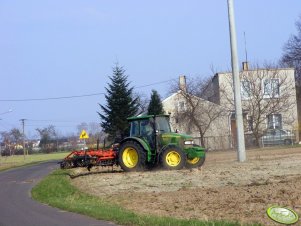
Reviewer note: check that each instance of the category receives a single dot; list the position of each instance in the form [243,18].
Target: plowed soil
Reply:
[222,189]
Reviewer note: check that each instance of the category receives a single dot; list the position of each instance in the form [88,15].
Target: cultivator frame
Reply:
[90,158]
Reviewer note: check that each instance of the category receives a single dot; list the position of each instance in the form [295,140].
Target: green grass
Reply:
[7,162]
[57,191]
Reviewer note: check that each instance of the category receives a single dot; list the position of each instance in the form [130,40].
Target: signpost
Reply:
[83,136]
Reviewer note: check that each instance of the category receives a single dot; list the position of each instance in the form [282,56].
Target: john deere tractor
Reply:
[152,143]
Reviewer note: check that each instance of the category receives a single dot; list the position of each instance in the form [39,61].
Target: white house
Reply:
[268,101]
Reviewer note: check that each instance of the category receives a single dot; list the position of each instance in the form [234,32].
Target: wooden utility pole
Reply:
[23,127]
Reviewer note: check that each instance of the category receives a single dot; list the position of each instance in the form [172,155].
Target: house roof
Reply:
[257,69]
[171,96]
[178,92]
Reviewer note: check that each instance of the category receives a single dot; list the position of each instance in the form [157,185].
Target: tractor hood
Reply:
[174,138]
[177,135]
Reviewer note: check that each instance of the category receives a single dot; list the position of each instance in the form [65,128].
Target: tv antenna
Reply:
[246,53]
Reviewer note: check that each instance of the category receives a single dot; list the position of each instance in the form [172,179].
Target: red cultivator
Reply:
[90,158]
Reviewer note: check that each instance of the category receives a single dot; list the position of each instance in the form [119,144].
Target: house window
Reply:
[245,89]
[249,123]
[181,106]
[271,88]
[274,121]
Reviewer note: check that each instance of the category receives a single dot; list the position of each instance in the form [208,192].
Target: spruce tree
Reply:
[120,105]
[155,106]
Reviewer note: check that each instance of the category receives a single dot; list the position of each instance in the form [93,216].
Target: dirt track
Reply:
[221,189]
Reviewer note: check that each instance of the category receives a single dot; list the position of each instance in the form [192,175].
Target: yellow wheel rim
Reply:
[173,158]
[130,157]
[193,161]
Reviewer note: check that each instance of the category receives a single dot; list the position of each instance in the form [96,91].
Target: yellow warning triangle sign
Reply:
[84,135]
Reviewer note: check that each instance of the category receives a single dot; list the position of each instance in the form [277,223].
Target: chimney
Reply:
[245,66]
[182,83]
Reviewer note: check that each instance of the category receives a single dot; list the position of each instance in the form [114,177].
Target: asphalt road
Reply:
[17,208]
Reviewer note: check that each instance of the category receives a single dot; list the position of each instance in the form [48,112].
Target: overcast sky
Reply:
[61,48]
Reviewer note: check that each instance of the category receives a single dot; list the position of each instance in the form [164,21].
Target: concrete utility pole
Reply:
[23,127]
[241,152]
[0,144]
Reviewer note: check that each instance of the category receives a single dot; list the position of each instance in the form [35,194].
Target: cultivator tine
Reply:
[89,158]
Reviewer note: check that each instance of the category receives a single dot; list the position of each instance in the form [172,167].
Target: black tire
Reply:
[131,156]
[173,158]
[79,162]
[66,164]
[195,162]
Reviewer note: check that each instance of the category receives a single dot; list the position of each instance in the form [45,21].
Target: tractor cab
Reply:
[149,128]
[151,142]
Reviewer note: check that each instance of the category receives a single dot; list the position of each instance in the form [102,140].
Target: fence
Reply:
[279,137]
[215,142]
[269,138]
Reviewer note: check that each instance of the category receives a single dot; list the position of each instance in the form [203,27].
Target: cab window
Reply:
[134,129]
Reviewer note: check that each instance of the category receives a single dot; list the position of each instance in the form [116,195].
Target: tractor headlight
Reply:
[188,142]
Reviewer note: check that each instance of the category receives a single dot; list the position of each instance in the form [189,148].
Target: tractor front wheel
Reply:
[194,162]
[173,158]
[131,156]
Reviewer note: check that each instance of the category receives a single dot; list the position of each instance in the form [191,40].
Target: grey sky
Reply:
[64,48]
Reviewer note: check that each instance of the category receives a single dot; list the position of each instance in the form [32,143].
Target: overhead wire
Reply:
[63,126]
[74,96]
[66,97]
[50,120]
[51,98]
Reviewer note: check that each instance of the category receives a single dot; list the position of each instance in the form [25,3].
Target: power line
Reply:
[51,98]
[50,120]
[74,96]
[57,126]
[156,83]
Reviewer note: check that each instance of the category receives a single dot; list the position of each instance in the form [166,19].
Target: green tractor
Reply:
[152,143]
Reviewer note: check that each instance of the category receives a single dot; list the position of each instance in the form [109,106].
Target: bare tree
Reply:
[47,135]
[16,135]
[96,133]
[94,128]
[292,58]
[265,92]
[6,139]
[11,140]
[292,51]
[196,113]
[81,127]
[142,101]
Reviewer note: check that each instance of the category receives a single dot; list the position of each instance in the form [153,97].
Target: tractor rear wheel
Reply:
[194,162]
[173,158]
[131,156]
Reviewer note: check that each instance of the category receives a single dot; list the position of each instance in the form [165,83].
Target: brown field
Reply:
[221,189]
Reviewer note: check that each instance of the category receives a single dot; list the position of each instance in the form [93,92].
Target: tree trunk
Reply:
[257,140]
[202,140]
